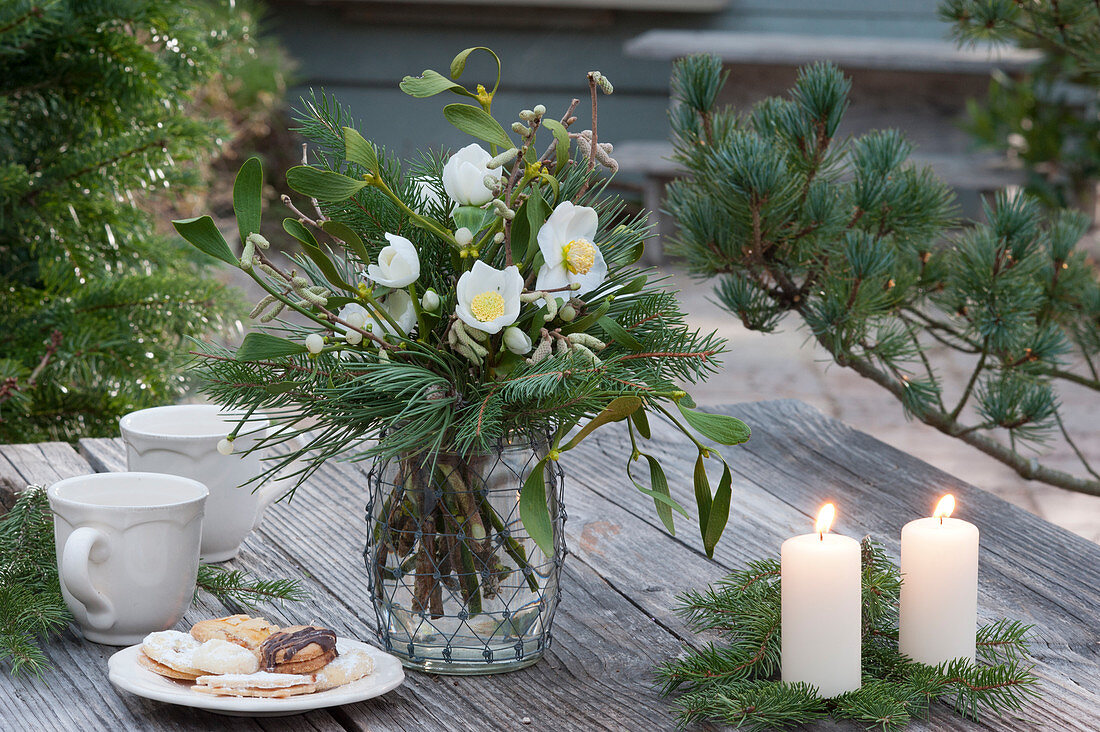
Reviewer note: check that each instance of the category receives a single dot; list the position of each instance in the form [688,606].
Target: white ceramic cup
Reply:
[127,551]
[182,439]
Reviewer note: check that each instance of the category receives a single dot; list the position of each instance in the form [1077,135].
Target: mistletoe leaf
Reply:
[659,492]
[619,409]
[477,122]
[359,151]
[346,234]
[533,511]
[721,428]
[263,346]
[702,495]
[203,234]
[641,422]
[324,185]
[430,83]
[458,64]
[561,136]
[619,334]
[525,227]
[248,198]
[313,250]
[719,512]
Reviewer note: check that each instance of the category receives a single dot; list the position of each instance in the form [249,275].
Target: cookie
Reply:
[244,630]
[294,644]
[166,671]
[217,656]
[305,667]
[173,649]
[345,669]
[261,684]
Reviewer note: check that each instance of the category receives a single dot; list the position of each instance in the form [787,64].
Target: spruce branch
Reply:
[235,587]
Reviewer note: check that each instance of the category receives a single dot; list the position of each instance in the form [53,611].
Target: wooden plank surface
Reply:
[615,620]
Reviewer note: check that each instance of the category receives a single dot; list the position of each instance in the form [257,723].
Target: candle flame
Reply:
[825,519]
[944,508]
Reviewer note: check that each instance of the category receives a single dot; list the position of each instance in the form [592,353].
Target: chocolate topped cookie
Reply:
[298,645]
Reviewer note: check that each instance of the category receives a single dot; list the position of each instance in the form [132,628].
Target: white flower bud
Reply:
[353,337]
[568,313]
[517,341]
[463,237]
[225,446]
[314,343]
[498,237]
[430,301]
[539,110]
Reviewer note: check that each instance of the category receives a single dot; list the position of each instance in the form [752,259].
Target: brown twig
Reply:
[11,384]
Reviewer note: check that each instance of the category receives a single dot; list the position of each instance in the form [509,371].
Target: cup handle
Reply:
[84,546]
[274,488]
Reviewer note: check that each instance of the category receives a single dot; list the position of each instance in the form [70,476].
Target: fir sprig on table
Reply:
[736,682]
[32,608]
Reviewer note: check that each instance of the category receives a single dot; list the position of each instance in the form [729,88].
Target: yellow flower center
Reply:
[488,306]
[580,255]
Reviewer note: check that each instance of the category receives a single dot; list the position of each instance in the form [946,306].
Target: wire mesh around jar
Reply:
[457,584]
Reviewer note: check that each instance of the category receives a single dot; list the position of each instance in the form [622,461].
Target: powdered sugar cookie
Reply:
[217,656]
[173,649]
[244,630]
[166,671]
[257,684]
[345,669]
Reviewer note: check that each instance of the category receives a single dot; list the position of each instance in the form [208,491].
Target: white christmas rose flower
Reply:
[464,176]
[399,306]
[398,264]
[568,244]
[488,298]
[517,341]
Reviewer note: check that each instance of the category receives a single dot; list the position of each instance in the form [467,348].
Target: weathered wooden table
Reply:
[615,621]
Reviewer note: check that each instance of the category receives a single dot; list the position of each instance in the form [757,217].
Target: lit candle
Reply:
[939,591]
[822,600]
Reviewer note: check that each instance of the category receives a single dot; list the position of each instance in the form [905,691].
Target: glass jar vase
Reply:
[457,584]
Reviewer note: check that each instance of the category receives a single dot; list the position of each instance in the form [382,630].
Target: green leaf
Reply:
[635,285]
[458,65]
[430,83]
[533,511]
[641,422]
[346,234]
[662,499]
[357,150]
[719,512]
[262,346]
[554,184]
[702,495]
[475,121]
[561,134]
[620,408]
[295,228]
[721,428]
[324,185]
[525,227]
[203,234]
[472,217]
[619,334]
[248,197]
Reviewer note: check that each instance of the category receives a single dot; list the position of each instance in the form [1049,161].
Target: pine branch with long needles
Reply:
[736,681]
[855,241]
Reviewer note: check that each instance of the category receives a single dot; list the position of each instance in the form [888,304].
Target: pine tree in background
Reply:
[1049,117]
[849,236]
[104,116]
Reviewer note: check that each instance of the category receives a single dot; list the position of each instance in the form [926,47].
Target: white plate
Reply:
[126,674]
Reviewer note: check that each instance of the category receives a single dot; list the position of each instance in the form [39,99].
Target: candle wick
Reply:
[941,520]
[821,535]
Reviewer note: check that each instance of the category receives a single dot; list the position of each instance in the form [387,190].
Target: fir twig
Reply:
[234,587]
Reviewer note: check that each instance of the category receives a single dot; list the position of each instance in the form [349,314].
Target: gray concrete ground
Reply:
[788,365]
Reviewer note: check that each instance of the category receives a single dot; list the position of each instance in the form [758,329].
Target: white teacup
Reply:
[182,439]
[127,551]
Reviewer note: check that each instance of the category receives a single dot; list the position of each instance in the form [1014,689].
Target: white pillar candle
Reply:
[939,591]
[822,600]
